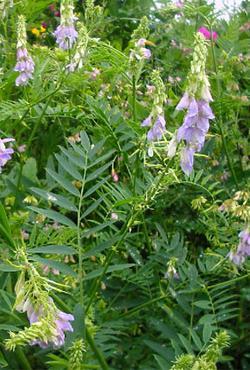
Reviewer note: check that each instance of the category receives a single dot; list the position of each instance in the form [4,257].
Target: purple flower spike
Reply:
[193,129]
[66,33]
[25,66]
[5,153]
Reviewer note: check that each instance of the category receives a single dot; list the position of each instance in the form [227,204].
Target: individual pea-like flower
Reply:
[156,120]
[195,101]
[243,250]
[25,65]
[172,145]
[66,33]
[5,153]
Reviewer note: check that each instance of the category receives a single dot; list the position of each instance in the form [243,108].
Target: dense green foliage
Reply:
[136,250]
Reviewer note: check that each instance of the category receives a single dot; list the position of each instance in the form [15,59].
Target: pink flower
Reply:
[207,34]
[95,73]
[52,7]
[214,35]
[21,148]
[179,4]
[115,176]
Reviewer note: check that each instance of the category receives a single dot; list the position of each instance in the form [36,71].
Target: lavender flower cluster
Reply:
[196,101]
[61,323]
[25,65]
[5,153]
[194,128]
[243,250]
[66,33]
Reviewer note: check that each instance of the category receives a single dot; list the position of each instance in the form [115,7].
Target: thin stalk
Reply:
[99,279]
[96,351]
[134,97]
[37,124]
[79,244]
[220,121]
[141,306]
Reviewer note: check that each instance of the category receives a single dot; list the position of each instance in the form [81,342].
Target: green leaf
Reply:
[207,332]
[196,339]
[8,327]
[6,236]
[85,141]
[78,161]
[53,249]
[5,230]
[68,167]
[62,267]
[164,365]
[161,350]
[186,343]
[65,184]
[113,268]
[55,198]
[203,304]
[101,247]
[8,268]
[102,158]
[95,187]
[4,220]
[94,175]
[92,207]
[53,215]
[30,170]
[207,319]
[3,362]
[96,229]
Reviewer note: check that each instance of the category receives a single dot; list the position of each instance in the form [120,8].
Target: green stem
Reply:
[99,279]
[220,121]
[141,306]
[96,351]
[37,124]
[134,97]
[79,244]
